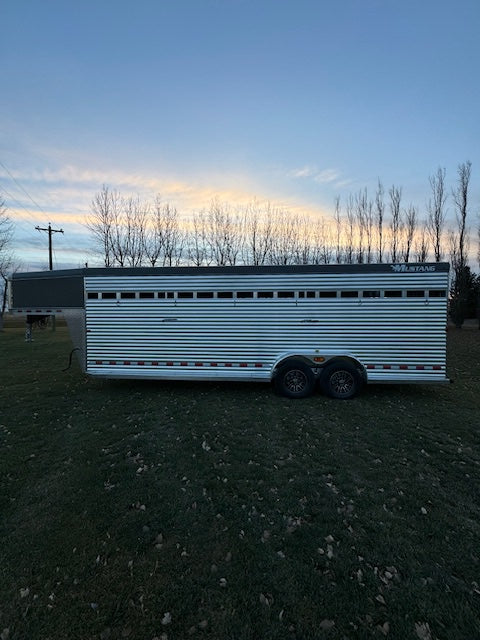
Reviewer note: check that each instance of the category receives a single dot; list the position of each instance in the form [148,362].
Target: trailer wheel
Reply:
[340,380]
[295,379]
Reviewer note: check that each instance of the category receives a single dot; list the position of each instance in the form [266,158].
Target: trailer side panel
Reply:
[238,327]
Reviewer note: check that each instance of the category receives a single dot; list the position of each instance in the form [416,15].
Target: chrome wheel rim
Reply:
[342,382]
[296,381]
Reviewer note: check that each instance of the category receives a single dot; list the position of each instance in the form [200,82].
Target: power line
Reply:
[19,222]
[19,203]
[21,187]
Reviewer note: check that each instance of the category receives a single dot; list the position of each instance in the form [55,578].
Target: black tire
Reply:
[340,380]
[295,379]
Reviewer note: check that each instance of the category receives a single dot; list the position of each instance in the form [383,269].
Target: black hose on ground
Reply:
[70,358]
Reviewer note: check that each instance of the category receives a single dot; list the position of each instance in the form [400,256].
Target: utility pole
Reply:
[49,230]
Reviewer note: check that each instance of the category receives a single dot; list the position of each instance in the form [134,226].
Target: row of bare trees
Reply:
[363,229]
[128,232]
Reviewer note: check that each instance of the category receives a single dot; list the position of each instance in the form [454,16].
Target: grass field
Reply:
[146,510]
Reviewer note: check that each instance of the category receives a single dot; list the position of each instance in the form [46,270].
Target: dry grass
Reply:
[143,510]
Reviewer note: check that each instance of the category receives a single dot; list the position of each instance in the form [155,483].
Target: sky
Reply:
[293,102]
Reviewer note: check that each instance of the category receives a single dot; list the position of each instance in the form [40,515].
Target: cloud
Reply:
[69,189]
[327,176]
[303,172]
[77,186]
[321,176]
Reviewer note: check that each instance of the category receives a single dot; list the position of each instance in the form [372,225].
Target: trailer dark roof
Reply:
[239,269]
[48,289]
[65,288]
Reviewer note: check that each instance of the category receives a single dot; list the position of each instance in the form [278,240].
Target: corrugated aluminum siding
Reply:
[396,339]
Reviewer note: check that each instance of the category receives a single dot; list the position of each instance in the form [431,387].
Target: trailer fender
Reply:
[317,361]
[287,358]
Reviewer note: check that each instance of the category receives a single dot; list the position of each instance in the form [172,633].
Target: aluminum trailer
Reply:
[339,325]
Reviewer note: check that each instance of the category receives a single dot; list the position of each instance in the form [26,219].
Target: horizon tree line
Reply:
[130,232]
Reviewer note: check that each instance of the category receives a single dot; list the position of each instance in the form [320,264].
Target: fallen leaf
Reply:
[266,599]
[327,624]
[384,628]
[422,629]
[167,618]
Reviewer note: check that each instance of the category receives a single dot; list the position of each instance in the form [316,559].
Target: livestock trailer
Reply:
[338,325]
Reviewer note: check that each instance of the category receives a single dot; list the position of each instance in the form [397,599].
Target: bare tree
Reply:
[6,229]
[350,232]
[257,233]
[338,230]
[436,212]
[6,256]
[379,218]
[478,242]
[420,245]
[369,230]
[153,240]
[197,246]
[453,246]
[222,234]
[287,242]
[163,238]
[410,227]
[396,222]
[462,278]
[460,198]
[324,245]
[133,231]
[172,237]
[101,223]
[364,215]
[305,249]
[127,231]
[360,215]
